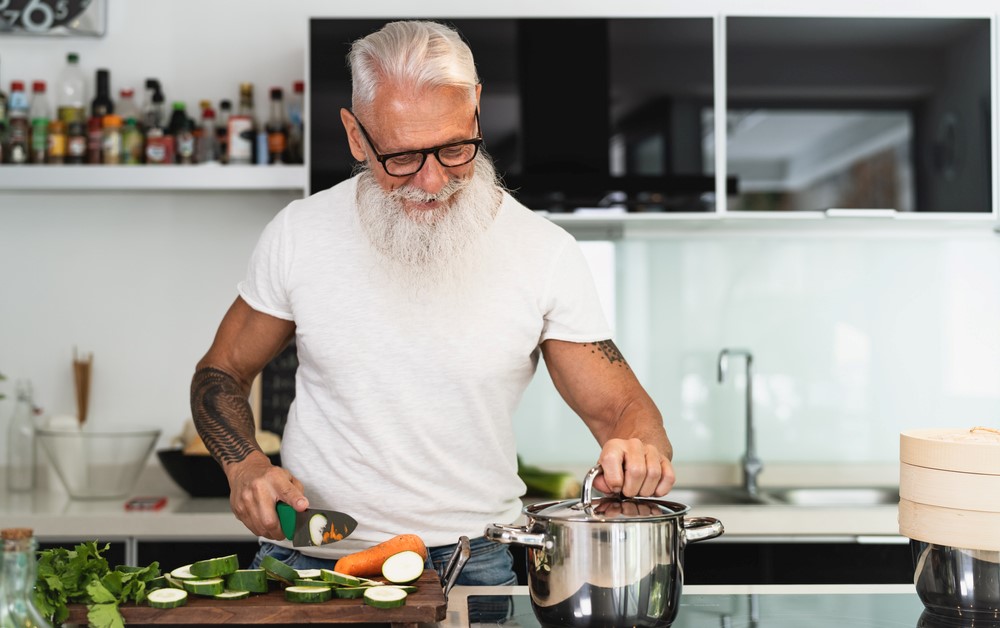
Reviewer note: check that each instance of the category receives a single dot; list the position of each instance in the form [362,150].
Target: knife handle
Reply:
[286,515]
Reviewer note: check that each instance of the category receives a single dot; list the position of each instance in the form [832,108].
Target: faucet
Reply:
[752,465]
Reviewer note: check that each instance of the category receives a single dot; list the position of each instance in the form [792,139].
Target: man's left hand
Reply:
[633,468]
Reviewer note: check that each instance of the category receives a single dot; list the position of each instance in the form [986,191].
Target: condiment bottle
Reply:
[55,143]
[132,143]
[21,441]
[17,604]
[111,144]
[76,142]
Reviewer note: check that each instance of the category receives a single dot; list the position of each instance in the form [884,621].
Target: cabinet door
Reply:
[115,554]
[173,554]
[859,113]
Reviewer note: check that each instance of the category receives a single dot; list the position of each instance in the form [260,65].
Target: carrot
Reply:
[368,562]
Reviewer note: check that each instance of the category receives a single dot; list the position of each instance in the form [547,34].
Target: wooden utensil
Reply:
[81,380]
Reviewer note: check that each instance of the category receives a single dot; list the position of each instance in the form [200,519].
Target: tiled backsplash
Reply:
[855,337]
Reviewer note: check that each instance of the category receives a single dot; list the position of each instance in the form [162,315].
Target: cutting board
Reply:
[427,605]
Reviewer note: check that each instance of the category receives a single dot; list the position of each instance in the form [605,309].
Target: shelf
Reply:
[180,178]
[614,226]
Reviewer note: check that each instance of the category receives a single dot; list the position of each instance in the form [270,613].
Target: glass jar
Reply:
[17,604]
[21,441]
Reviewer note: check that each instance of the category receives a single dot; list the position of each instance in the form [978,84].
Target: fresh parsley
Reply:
[82,576]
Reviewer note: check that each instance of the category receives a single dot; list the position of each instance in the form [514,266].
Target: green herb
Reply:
[82,576]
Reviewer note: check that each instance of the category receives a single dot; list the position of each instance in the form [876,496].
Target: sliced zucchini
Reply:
[350,593]
[403,568]
[308,595]
[159,582]
[174,582]
[279,570]
[215,567]
[338,578]
[167,598]
[317,525]
[310,582]
[183,573]
[252,580]
[211,586]
[312,574]
[232,595]
[385,597]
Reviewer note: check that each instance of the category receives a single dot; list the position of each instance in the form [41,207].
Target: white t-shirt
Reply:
[403,405]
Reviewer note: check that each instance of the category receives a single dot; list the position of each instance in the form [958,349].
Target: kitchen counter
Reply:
[54,516]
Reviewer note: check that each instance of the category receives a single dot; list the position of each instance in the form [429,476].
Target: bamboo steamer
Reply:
[949,487]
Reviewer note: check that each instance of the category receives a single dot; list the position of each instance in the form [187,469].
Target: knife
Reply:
[314,526]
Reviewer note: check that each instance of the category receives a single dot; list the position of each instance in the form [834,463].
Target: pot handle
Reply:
[512,534]
[701,528]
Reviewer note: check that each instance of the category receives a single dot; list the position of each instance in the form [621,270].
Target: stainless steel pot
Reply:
[606,562]
[957,583]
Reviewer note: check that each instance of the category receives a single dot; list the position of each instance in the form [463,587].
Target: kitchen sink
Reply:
[813,496]
[835,496]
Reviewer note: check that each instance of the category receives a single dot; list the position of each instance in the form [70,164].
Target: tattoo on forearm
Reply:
[610,351]
[222,415]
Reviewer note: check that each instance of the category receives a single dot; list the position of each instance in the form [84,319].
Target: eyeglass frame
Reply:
[477,142]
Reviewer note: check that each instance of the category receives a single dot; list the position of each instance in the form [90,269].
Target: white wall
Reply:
[142,279]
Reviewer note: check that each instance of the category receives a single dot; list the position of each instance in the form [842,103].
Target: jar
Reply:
[17,604]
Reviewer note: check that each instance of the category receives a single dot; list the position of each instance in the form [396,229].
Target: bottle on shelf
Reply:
[21,440]
[40,114]
[181,130]
[76,142]
[126,107]
[152,106]
[111,144]
[3,122]
[208,143]
[159,147]
[277,129]
[18,571]
[102,104]
[95,139]
[18,126]
[222,130]
[55,143]
[296,124]
[71,95]
[242,129]
[133,144]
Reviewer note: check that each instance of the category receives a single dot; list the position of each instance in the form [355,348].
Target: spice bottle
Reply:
[111,144]
[55,143]
[76,142]
[21,441]
[19,570]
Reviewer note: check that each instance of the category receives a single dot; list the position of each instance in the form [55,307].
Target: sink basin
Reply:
[818,496]
[836,496]
[712,496]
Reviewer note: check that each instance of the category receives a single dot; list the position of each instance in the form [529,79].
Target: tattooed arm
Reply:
[246,341]
[598,384]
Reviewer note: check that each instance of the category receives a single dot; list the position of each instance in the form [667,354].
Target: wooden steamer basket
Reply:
[949,507]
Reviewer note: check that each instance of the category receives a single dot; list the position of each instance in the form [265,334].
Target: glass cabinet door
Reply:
[858,113]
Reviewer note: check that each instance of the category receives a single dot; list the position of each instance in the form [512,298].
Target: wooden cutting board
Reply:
[427,605]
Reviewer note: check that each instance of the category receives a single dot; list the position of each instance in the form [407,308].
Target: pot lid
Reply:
[606,509]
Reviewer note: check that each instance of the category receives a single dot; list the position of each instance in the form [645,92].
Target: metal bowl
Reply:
[957,583]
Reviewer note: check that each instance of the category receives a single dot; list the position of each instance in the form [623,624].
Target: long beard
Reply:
[427,247]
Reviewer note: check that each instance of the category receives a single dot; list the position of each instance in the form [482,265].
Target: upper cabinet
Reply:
[859,113]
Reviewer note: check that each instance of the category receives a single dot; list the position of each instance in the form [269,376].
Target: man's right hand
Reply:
[255,487]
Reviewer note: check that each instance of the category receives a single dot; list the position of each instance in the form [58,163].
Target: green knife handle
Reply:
[286,515]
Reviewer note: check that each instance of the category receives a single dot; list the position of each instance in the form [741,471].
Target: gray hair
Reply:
[417,53]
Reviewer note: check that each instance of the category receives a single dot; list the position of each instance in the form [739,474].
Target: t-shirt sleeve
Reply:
[265,287]
[573,310]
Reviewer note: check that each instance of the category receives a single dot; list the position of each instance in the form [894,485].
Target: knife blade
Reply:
[314,526]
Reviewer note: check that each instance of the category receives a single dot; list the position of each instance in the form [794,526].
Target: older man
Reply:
[420,295]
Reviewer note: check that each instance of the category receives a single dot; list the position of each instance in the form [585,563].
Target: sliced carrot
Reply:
[368,562]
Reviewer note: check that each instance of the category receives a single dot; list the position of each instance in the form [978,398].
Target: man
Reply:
[420,295]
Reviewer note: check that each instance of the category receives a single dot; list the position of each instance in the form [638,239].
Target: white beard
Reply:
[423,248]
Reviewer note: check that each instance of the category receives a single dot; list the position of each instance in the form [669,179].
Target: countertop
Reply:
[53,515]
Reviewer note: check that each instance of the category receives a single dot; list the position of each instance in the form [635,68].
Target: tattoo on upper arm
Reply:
[610,351]
[222,415]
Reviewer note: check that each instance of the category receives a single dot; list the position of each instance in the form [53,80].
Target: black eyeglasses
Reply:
[410,162]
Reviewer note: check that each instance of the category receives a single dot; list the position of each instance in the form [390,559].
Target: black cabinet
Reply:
[116,553]
[173,554]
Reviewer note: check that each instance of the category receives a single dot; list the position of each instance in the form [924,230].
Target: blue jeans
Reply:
[490,564]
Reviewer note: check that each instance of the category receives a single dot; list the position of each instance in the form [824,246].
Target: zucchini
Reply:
[317,525]
[215,567]
[341,579]
[167,598]
[279,570]
[350,593]
[183,573]
[310,582]
[385,597]
[211,586]
[174,582]
[311,574]
[403,568]
[159,582]
[232,595]
[252,580]
[308,595]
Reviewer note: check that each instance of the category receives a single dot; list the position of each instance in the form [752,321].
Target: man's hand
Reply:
[256,486]
[633,468]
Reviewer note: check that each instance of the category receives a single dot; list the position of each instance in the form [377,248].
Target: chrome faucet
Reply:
[752,465]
